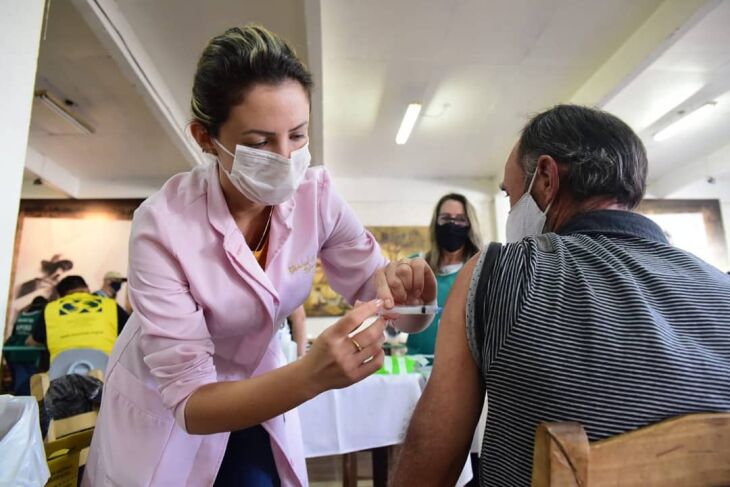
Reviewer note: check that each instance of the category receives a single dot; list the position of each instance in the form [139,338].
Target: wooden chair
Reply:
[65,456]
[691,450]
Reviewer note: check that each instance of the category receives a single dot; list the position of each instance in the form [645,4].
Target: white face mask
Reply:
[265,177]
[526,218]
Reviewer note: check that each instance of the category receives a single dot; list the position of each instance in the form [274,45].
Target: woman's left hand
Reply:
[406,282]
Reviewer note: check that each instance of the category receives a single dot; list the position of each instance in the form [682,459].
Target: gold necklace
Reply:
[266,229]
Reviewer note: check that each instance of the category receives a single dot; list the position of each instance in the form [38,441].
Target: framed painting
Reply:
[395,243]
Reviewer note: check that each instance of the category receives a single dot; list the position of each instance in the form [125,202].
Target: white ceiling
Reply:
[693,70]
[131,151]
[175,33]
[128,143]
[481,68]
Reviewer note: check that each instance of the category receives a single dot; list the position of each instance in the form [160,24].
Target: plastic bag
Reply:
[70,395]
[22,457]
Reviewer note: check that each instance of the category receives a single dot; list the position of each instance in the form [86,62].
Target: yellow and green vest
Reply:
[81,320]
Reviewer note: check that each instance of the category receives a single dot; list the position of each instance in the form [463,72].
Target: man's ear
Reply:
[547,181]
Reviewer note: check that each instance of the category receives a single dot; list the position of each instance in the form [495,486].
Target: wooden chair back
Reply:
[59,428]
[691,450]
[65,456]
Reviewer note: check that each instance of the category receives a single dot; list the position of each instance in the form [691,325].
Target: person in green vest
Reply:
[24,365]
[455,238]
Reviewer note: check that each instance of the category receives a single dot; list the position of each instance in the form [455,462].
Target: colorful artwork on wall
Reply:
[395,242]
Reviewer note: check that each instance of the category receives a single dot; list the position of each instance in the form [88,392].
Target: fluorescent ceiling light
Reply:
[686,122]
[409,120]
[58,108]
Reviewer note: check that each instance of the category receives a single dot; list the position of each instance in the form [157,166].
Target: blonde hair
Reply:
[235,61]
[473,242]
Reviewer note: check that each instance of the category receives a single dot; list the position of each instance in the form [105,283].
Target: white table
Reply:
[369,415]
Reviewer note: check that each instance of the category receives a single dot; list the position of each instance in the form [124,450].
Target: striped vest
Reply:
[605,324]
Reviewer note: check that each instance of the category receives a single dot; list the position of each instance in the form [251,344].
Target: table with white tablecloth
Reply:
[371,414]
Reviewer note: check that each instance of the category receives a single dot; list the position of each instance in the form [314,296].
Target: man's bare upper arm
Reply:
[443,424]
[455,373]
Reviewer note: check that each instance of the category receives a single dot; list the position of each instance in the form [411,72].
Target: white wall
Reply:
[20,30]
[397,201]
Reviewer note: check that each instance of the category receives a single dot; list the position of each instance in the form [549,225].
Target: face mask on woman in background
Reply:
[451,237]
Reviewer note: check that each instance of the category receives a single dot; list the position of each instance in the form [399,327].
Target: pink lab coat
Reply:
[205,311]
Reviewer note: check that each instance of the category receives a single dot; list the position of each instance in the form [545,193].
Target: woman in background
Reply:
[455,238]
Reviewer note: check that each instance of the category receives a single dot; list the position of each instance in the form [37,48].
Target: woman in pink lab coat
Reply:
[195,390]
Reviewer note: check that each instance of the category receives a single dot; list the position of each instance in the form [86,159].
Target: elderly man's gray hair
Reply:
[604,157]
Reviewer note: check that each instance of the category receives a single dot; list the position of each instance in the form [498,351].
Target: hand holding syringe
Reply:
[411,284]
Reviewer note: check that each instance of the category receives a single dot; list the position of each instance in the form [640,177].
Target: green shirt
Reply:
[25,322]
[24,325]
[425,342]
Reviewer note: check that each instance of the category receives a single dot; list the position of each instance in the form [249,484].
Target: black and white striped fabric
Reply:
[605,324]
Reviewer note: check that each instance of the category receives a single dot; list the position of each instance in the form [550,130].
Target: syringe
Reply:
[412,310]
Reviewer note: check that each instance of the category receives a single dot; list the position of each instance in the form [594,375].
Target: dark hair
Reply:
[473,243]
[235,61]
[70,283]
[604,157]
[38,303]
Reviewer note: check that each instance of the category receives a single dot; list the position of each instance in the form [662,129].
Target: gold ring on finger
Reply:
[357,345]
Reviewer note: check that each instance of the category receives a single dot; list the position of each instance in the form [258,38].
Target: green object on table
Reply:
[397,365]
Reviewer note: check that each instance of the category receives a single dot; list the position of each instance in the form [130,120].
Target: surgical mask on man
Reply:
[264,177]
[116,286]
[526,218]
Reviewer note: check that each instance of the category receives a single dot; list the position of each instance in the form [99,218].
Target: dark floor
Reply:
[327,471]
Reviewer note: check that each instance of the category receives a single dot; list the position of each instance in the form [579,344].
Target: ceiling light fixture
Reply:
[687,121]
[58,108]
[409,121]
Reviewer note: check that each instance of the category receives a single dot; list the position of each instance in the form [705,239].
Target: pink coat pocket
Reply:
[136,415]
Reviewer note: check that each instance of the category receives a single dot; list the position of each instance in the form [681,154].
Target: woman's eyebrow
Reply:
[299,126]
[270,134]
[258,132]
